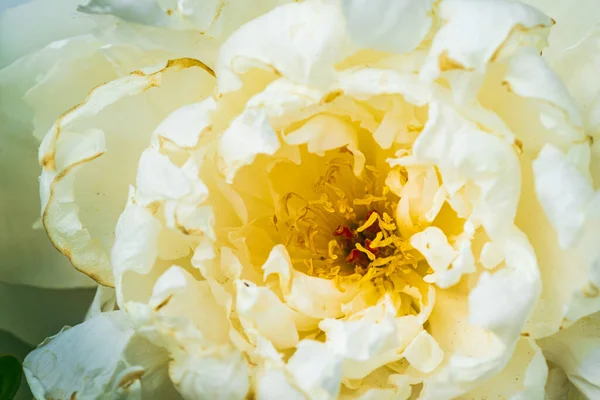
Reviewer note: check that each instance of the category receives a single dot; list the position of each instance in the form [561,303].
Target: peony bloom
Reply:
[383,199]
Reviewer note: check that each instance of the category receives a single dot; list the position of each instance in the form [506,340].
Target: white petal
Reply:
[71,222]
[563,192]
[433,244]
[262,313]
[524,376]
[31,28]
[529,76]
[424,353]
[301,41]
[370,339]
[279,263]
[316,370]
[369,82]
[218,377]
[185,126]
[273,385]
[577,351]
[249,135]
[317,297]
[388,25]
[140,11]
[501,302]
[323,133]
[474,31]
[462,152]
[110,359]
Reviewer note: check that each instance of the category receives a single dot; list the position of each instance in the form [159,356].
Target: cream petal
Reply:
[136,243]
[576,350]
[249,135]
[316,370]
[424,353]
[563,192]
[433,244]
[488,161]
[279,263]
[102,367]
[262,313]
[301,41]
[475,32]
[185,126]
[367,82]
[370,338]
[524,377]
[323,133]
[317,297]
[501,302]
[141,11]
[177,296]
[104,301]
[71,222]
[529,76]
[273,385]
[31,28]
[283,96]
[400,25]
[223,376]
[576,64]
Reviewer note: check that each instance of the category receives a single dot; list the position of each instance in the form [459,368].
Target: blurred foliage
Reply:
[10,377]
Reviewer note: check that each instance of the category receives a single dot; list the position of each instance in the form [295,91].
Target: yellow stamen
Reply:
[372,218]
[333,247]
[367,252]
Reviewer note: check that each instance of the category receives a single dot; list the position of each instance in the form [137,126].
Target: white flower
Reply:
[353,199]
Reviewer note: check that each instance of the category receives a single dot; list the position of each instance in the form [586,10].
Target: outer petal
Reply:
[27,27]
[301,41]
[388,25]
[524,377]
[65,151]
[316,370]
[487,161]
[529,76]
[108,362]
[371,338]
[577,351]
[476,31]
[249,135]
[564,192]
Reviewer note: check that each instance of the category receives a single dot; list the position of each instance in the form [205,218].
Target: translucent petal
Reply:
[474,32]
[249,135]
[576,350]
[489,162]
[262,313]
[65,151]
[524,376]
[564,192]
[110,362]
[400,25]
[316,370]
[529,76]
[301,41]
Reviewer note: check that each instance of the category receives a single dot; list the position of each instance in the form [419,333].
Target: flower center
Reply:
[344,228]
